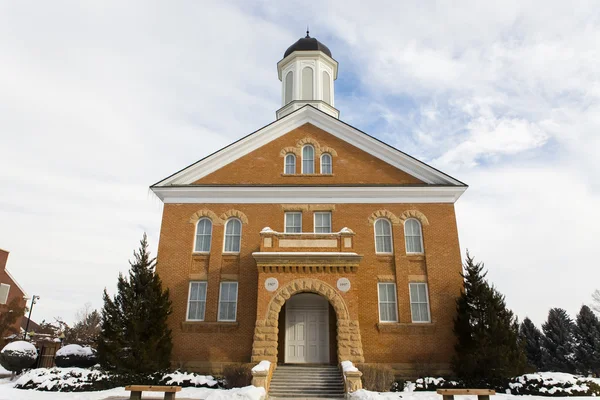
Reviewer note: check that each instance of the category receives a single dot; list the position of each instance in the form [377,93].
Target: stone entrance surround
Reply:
[266,331]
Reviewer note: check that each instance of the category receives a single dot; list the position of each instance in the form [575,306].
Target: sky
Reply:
[99,100]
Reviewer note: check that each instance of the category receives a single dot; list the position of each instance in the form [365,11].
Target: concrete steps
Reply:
[299,381]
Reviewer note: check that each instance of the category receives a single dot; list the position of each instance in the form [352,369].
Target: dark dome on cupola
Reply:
[307,44]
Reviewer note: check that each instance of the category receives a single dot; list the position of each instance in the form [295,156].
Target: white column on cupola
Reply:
[307,73]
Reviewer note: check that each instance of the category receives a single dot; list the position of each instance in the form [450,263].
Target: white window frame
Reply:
[285,220]
[225,236]
[313,159]
[315,221]
[187,311]
[421,237]
[285,164]
[379,302]
[330,164]
[196,236]
[385,220]
[420,302]
[5,299]
[220,302]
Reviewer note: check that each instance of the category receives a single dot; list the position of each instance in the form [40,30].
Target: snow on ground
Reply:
[367,395]
[8,392]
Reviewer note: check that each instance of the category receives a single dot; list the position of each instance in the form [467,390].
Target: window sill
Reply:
[208,327]
[415,256]
[311,175]
[412,328]
[198,254]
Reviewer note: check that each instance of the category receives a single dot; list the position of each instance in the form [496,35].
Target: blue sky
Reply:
[100,100]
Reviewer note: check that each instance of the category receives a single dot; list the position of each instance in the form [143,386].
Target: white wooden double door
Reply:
[306,336]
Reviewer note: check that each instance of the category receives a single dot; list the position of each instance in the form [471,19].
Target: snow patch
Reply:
[263,366]
[246,393]
[75,350]
[347,366]
[20,346]
[178,378]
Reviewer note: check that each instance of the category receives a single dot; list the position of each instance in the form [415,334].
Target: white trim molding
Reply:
[309,194]
[309,114]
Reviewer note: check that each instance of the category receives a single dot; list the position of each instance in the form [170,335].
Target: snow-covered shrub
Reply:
[18,355]
[237,375]
[378,378]
[74,355]
[189,379]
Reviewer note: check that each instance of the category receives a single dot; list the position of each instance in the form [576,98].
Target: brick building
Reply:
[309,241]
[9,289]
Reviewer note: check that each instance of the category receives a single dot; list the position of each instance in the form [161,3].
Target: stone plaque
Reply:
[271,284]
[343,284]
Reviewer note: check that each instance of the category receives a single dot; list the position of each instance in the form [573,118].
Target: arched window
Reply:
[413,236]
[233,235]
[326,88]
[307,84]
[290,164]
[289,87]
[308,160]
[383,236]
[326,167]
[203,235]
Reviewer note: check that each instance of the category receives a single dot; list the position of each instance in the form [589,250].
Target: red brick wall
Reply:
[14,292]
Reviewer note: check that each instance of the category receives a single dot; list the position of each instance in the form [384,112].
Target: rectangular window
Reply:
[293,222]
[4,289]
[196,301]
[419,302]
[322,222]
[228,301]
[388,310]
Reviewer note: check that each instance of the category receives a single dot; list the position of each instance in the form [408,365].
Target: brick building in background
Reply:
[9,289]
[309,241]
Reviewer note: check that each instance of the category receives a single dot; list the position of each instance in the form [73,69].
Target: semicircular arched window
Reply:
[203,235]
[413,236]
[290,164]
[326,166]
[308,159]
[233,236]
[383,236]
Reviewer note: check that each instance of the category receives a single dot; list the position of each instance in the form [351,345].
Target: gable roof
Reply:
[333,126]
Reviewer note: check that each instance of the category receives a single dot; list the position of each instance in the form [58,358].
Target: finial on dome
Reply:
[307,32]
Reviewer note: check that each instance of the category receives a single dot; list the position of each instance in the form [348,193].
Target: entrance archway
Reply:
[349,344]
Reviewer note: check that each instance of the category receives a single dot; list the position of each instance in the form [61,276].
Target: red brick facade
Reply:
[300,263]
[14,290]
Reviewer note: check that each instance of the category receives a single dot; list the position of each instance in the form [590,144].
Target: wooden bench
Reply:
[136,391]
[482,394]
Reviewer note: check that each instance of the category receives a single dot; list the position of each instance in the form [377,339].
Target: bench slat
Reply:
[477,392]
[145,388]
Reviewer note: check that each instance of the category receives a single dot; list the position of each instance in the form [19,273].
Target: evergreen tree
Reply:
[134,335]
[587,339]
[487,332]
[532,339]
[558,342]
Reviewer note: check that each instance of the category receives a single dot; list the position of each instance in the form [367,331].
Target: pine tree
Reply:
[587,339]
[134,335]
[487,332]
[558,342]
[532,339]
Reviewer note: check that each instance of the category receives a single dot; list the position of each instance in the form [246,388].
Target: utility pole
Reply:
[33,301]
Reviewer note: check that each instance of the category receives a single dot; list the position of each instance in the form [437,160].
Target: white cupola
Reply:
[307,72]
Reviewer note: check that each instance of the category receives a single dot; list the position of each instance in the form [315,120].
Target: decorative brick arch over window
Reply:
[384,214]
[348,331]
[287,150]
[208,214]
[234,214]
[416,215]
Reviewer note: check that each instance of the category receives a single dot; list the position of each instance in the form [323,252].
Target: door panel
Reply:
[307,336]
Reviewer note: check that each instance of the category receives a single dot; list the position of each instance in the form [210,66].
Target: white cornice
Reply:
[308,194]
[335,127]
